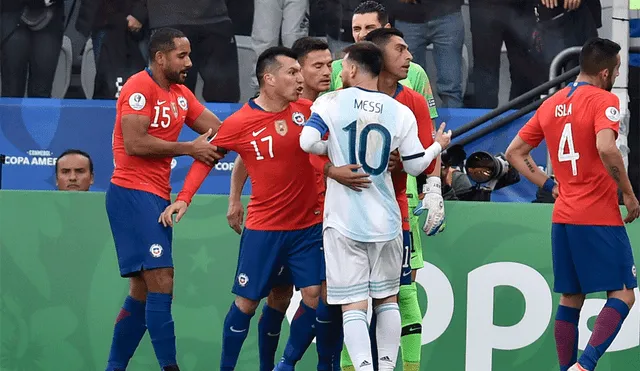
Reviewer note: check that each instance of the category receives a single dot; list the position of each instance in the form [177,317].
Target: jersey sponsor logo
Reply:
[137,101]
[243,279]
[612,114]
[174,109]
[160,102]
[256,133]
[182,102]
[298,118]
[281,127]
[236,330]
[155,250]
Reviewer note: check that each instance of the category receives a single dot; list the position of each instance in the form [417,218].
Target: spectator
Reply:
[74,171]
[437,22]
[492,22]
[339,14]
[214,54]
[116,30]
[275,20]
[30,44]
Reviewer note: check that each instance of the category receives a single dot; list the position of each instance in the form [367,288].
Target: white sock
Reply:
[388,331]
[356,338]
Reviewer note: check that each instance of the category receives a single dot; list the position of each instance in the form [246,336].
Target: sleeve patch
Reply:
[137,101]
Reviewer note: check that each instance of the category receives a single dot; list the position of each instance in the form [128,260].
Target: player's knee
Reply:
[626,295]
[572,300]
[323,292]
[138,288]
[311,295]
[159,280]
[246,306]
[280,297]
[390,299]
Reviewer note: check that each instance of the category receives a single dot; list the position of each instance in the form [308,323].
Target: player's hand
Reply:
[572,4]
[550,3]
[178,207]
[394,161]
[434,204]
[349,176]
[555,192]
[202,150]
[633,207]
[235,215]
[442,137]
[133,24]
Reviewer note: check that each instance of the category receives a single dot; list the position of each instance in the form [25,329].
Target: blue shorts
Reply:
[589,259]
[405,275]
[274,258]
[141,242]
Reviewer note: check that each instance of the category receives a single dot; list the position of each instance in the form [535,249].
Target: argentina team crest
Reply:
[298,118]
[281,127]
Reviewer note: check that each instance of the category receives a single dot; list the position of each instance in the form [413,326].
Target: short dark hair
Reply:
[75,152]
[370,6]
[366,55]
[162,40]
[381,36]
[268,59]
[305,45]
[598,54]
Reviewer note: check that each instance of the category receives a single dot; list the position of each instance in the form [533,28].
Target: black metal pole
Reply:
[536,92]
[502,122]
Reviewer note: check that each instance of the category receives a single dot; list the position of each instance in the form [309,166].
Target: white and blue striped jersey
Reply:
[364,128]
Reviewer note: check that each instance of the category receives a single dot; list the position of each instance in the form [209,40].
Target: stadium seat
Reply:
[88,70]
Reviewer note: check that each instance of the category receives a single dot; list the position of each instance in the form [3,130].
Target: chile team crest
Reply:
[298,118]
[281,127]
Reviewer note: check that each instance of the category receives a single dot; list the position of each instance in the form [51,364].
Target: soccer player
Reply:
[284,223]
[362,230]
[152,108]
[591,249]
[315,61]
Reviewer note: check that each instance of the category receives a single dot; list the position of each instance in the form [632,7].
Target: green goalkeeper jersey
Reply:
[416,80]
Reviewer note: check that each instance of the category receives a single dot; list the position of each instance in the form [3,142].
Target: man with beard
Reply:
[591,248]
[284,223]
[150,112]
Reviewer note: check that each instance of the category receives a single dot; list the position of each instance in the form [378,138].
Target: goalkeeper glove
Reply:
[434,204]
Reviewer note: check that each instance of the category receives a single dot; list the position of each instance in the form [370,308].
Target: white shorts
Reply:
[357,270]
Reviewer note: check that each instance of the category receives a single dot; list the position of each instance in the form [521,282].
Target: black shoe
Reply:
[171,368]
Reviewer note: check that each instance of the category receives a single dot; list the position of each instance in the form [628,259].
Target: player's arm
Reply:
[519,155]
[415,158]
[199,118]
[235,212]
[311,136]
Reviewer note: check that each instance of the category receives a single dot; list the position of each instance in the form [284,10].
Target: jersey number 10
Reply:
[566,140]
[362,143]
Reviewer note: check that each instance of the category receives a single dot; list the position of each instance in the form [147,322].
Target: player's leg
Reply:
[566,283]
[384,285]
[303,260]
[328,327]
[138,239]
[257,263]
[347,271]
[605,263]
[410,313]
[270,322]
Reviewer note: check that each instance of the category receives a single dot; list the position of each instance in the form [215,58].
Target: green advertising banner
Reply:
[485,290]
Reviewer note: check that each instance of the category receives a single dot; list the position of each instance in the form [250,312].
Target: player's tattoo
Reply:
[529,165]
[615,173]
[327,166]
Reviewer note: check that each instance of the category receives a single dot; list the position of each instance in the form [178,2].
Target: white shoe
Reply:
[577,367]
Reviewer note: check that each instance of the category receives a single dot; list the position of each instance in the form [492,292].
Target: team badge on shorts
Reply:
[298,118]
[182,102]
[633,271]
[155,250]
[281,127]
[174,109]
[243,279]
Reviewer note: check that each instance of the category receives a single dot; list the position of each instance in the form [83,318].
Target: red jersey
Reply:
[283,183]
[167,111]
[569,122]
[426,132]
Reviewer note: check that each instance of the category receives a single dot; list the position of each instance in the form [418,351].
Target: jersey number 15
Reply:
[362,143]
[566,140]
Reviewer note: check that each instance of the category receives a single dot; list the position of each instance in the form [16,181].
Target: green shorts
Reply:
[417,260]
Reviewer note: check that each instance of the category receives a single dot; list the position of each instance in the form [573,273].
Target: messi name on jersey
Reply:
[368,106]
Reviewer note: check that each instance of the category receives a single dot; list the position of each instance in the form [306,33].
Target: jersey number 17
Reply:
[359,155]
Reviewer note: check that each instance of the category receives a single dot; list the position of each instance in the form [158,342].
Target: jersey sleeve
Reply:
[227,135]
[607,113]
[415,158]
[195,108]
[422,85]
[136,98]
[426,130]
[336,70]
[319,162]
[532,132]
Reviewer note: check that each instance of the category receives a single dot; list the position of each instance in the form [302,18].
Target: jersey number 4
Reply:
[362,143]
[566,140]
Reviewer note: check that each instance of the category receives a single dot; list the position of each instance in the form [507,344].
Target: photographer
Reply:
[31,39]
[455,184]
